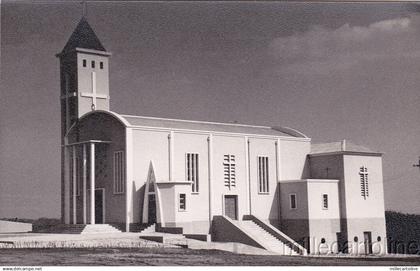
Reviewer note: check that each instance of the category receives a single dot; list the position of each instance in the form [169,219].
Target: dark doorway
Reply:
[341,242]
[368,242]
[99,206]
[231,206]
[152,209]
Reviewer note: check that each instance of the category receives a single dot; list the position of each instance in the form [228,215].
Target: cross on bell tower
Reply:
[84,75]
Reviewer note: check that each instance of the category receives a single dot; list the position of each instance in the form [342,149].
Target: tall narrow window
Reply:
[84,62]
[263,174]
[325,201]
[119,172]
[293,204]
[93,64]
[229,166]
[364,184]
[101,65]
[192,171]
[182,202]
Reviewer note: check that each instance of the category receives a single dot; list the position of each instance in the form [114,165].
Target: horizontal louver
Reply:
[229,170]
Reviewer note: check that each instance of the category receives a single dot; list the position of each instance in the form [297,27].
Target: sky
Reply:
[331,70]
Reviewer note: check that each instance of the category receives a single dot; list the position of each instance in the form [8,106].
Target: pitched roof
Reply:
[208,126]
[340,146]
[83,37]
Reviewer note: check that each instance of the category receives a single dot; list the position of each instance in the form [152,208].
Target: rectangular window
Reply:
[101,65]
[84,62]
[229,170]
[192,170]
[325,201]
[364,184]
[182,202]
[119,172]
[293,201]
[263,174]
[93,64]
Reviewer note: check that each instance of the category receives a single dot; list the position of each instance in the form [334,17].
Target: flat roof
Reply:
[343,146]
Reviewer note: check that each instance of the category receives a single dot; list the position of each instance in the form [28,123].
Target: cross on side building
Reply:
[418,164]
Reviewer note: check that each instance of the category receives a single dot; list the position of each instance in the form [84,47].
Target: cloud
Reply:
[323,49]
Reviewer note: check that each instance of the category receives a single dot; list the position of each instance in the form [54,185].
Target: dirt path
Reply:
[174,256]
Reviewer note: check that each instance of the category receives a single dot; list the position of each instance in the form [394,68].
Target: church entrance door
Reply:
[152,209]
[368,242]
[99,206]
[231,208]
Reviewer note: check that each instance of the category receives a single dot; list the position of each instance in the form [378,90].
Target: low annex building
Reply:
[133,170]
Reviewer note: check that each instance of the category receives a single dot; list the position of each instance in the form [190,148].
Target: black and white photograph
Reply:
[209,133]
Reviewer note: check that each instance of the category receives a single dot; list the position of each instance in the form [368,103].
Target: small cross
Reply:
[418,165]
[93,94]
[327,169]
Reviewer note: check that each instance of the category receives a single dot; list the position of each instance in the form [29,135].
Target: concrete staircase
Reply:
[99,228]
[149,229]
[265,239]
[81,229]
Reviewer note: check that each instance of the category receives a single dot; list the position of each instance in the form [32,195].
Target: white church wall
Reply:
[167,199]
[84,78]
[364,214]
[372,205]
[324,223]
[293,159]
[232,145]
[316,190]
[197,210]
[294,222]
[148,146]
[264,205]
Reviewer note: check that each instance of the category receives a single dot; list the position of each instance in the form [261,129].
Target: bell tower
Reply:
[84,84]
[84,76]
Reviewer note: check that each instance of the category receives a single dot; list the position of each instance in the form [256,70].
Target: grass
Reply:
[176,256]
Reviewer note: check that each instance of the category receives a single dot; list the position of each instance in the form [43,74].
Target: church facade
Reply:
[180,174]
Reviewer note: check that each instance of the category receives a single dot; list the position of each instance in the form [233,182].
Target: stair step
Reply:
[80,228]
[266,239]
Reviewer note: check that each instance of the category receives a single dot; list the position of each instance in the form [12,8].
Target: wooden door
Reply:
[231,208]
[368,242]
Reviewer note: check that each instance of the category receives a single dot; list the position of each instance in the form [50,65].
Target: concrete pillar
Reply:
[248,174]
[74,182]
[84,183]
[171,154]
[210,161]
[66,184]
[92,183]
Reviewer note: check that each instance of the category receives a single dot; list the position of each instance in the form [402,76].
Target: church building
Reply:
[208,178]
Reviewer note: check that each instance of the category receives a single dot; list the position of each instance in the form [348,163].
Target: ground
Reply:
[177,256]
